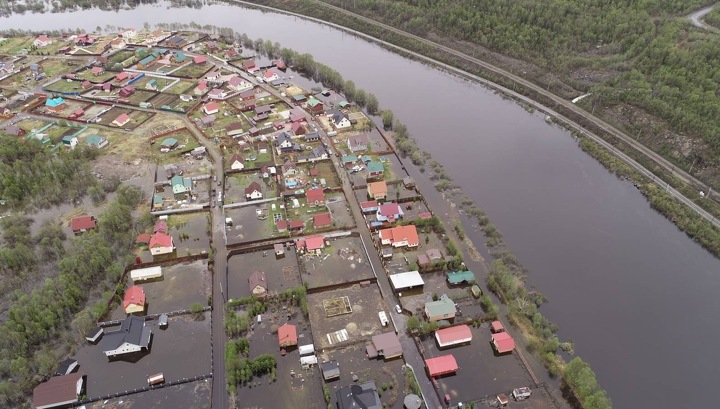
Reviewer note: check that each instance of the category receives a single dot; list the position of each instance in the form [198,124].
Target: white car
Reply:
[398,309]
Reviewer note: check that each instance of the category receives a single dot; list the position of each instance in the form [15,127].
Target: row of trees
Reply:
[40,318]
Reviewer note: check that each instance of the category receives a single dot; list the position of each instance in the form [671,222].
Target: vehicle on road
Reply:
[398,309]
[521,393]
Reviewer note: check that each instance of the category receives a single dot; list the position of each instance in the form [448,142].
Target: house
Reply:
[249,65]
[358,396]
[297,116]
[270,76]
[230,53]
[201,88]
[160,227]
[459,277]
[441,365]
[107,87]
[158,203]
[148,273]
[314,106]
[211,108]
[152,85]
[281,225]
[442,309]
[348,160]
[285,143]
[400,236]
[82,224]
[375,170]
[237,83]
[126,91]
[340,121]
[181,185]
[207,120]
[253,191]
[213,76]
[55,104]
[143,239]
[168,143]
[235,128]
[86,84]
[14,130]
[134,300]
[176,42]
[370,206]
[503,342]
[146,61]
[42,41]
[357,143]
[287,335]
[263,109]
[133,336]
[322,220]
[59,391]
[315,197]
[377,190]
[248,95]
[237,162]
[299,99]
[406,281]
[318,153]
[129,33]
[118,44]
[389,212]
[386,345]
[311,137]
[314,243]
[451,336]
[122,76]
[330,370]
[70,141]
[178,57]
[97,71]
[296,225]
[199,59]
[217,93]
[161,243]
[298,128]
[258,284]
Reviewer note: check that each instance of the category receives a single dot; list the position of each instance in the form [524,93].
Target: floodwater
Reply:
[635,294]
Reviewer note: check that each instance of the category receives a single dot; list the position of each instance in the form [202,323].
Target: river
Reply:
[637,296]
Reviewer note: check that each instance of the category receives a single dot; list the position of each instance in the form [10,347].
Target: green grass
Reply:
[53,67]
[192,70]
[180,87]
[15,44]
[87,75]
[65,86]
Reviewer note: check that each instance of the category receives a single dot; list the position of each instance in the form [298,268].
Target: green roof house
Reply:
[96,141]
[375,169]
[459,277]
[157,201]
[344,104]
[179,57]
[181,185]
[442,309]
[169,143]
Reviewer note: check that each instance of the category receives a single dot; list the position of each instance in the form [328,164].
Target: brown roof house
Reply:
[253,191]
[258,284]
[59,391]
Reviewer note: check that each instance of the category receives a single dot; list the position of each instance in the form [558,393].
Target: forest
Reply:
[45,320]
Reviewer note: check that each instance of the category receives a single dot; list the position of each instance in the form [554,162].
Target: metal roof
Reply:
[408,279]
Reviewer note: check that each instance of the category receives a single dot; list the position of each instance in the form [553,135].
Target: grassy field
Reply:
[87,75]
[15,44]
[181,87]
[29,124]
[53,67]
[64,86]
[192,70]
[140,96]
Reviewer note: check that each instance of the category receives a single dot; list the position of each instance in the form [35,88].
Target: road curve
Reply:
[695,19]
[568,105]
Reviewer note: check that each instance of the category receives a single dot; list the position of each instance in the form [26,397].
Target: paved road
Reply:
[567,105]
[695,19]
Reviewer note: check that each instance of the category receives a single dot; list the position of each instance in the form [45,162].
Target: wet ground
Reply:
[194,395]
[353,360]
[181,285]
[294,387]
[343,261]
[180,351]
[235,187]
[340,211]
[482,373]
[190,233]
[246,225]
[414,300]
[281,273]
[360,324]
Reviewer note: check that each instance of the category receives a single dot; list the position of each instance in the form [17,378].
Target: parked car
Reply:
[398,309]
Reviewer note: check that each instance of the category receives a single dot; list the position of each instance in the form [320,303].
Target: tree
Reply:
[196,309]
[387,118]
[360,98]
[349,90]
[372,105]
[413,324]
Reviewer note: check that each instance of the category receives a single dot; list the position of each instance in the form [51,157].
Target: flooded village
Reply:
[290,259]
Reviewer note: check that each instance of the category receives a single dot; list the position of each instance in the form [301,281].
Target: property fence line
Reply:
[144,389]
[151,317]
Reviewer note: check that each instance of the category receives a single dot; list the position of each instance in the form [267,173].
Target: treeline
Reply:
[38,323]
[30,173]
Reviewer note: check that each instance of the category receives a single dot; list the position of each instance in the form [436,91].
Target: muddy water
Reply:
[635,294]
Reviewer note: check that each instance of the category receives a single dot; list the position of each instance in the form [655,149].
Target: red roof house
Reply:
[503,342]
[199,59]
[400,236]
[322,220]
[456,335]
[134,300]
[282,225]
[442,365]
[211,108]
[82,224]
[298,128]
[161,243]
[287,335]
[314,243]
[315,197]
[122,76]
[143,239]
[296,225]
[121,120]
[127,90]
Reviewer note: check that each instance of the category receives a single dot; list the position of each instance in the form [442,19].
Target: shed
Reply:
[66,367]
[279,249]
[407,280]
[146,273]
[442,365]
[387,345]
[503,342]
[306,349]
[163,321]
[330,370]
[308,361]
[497,326]
[94,334]
[451,336]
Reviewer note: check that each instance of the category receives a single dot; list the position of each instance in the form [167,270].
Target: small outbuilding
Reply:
[59,391]
[503,342]
[94,335]
[452,336]
[406,281]
[330,370]
[66,367]
[148,273]
[387,345]
[442,365]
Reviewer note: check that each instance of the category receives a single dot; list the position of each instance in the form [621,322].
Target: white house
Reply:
[270,76]
[133,336]
[211,108]
[237,163]
[42,41]
[239,84]
[217,93]
[254,191]
[161,243]
[129,33]
[341,121]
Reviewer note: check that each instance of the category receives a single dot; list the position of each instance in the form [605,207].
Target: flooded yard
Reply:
[193,394]
[353,309]
[281,273]
[341,262]
[436,283]
[180,351]
[251,222]
[190,232]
